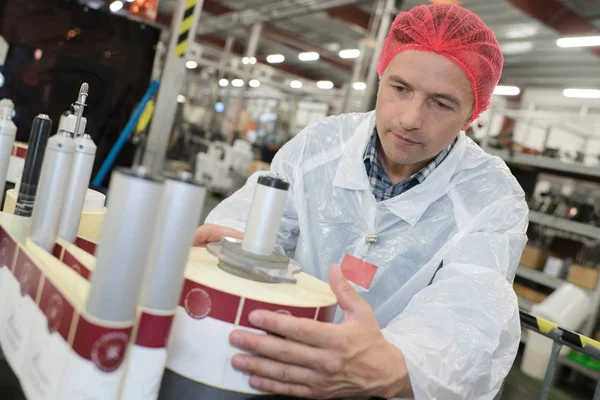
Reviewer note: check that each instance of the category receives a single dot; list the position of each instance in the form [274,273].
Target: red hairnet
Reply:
[455,33]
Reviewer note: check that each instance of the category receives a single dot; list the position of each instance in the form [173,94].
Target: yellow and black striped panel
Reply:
[544,326]
[184,29]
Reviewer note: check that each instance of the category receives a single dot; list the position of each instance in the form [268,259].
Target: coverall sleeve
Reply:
[233,211]
[460,335]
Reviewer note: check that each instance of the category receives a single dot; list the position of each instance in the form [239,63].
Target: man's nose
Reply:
[413,114]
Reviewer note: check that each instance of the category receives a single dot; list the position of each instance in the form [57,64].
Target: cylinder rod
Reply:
[51,193]
[265,215]
[122,254]
[36,150]
[8,132]
[180,208]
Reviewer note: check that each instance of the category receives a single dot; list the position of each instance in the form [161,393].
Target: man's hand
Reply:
[209,233]
[313,359]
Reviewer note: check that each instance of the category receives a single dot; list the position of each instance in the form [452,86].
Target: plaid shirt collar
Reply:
[381,186]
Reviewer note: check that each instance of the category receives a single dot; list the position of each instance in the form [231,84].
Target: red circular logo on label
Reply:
[77,268]
[198,303]
[109,351]
[25,275]
[3,251]
[54,312]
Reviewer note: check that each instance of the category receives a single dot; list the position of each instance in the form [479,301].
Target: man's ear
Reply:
[466,126]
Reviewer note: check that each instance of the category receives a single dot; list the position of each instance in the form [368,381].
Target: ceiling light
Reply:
[275,58]
[325,85]
[237,83]
[310,56]
[181,98]
[130,1]
[521,31]
[191,64]
[349,53]
[115,6]
[254,83]
[582,93]
[249,60]
[513,48]
[296,84]
[1,80]
[583,41]
[223,82]
[501,90]
[359,86]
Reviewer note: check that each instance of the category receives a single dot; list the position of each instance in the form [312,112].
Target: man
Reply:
[403,189]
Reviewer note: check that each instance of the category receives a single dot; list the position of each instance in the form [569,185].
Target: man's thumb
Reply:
[348,299]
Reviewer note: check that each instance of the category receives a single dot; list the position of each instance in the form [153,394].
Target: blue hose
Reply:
[125,133]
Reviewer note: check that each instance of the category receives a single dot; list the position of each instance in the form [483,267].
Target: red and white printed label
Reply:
[251,305]
[86,245]
[153,330]
[72,261]
[104,346]
[95,368]
[28,275]
[47,350]
[200,301]
[7,249]
[358,271]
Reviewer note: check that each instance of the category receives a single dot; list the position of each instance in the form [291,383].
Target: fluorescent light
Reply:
[521,31]
[582,93]
[130,1]
[181,98]
[359,86]
[249,60]
[349,53]
[223,83]
[583,41]
[237,83]
[115,6]
[275,58]
[1,80]
[191,64]
[501,90]
[254,83]
[296,84]
[512,48]
[310,56]
[325,85]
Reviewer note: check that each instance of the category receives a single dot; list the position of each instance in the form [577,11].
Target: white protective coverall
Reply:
[460,332]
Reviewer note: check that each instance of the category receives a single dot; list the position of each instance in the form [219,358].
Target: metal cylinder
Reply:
[50,197]
[122,254]
[8,132]
[36,150]
[179,215]
[265,215]
[79,181]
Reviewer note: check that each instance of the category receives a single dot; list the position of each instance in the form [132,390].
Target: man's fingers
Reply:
[284,351]
[302,330]
[210,233]
[274,377]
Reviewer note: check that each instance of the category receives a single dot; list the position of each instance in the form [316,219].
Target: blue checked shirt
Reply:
[381,186]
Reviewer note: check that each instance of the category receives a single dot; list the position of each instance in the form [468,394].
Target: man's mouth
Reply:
[404,141]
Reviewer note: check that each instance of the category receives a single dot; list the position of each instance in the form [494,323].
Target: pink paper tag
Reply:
[358,271]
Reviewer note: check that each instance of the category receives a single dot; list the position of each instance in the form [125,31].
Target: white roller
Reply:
[8,132]
[265,216]
[79,180]
[51,190]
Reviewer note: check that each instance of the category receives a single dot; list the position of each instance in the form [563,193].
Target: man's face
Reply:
[424,100]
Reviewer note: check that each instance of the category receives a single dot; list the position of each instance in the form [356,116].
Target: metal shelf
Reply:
[546,163]
[539,277]
[565,225]
[590,373]
[525,304]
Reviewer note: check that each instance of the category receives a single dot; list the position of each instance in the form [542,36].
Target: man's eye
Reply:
[400,89]
[442,106]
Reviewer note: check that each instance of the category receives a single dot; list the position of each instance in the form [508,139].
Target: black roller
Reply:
[36,148]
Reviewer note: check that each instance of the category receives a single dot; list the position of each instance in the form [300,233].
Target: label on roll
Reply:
[147,356]
[95,368]
[47,350]
[204,320]
[71,261]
